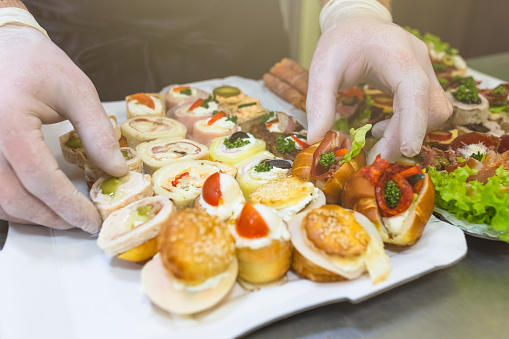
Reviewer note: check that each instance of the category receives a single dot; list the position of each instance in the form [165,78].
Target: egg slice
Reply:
[161,287]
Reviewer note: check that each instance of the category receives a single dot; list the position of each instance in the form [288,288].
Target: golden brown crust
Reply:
[335,231]
[311,271]
[266,264]
[302,164]
[195,246]
[282,193]
[333,187]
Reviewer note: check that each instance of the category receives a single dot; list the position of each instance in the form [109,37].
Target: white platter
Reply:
[63,283]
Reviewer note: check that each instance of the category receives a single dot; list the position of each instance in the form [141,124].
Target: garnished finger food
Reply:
[72,148]
[163,151]
[138,130]
[130,233]
[331,244]
[398,199]
[262,244]
[145,104]
[288,196]
[189,113]
[182,94]
[182,181]
[219,125]
[196,266]
[235,148]
[221,196]
[111,193]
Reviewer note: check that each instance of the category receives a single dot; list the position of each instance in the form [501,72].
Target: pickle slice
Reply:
[139,216]
[109,186]
[226,91]
[448,60]
[74,142]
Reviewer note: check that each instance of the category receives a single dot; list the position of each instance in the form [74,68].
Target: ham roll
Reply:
[175,95]
[138,130]
[111,193]
[160,152]
[235,148]
[219,125]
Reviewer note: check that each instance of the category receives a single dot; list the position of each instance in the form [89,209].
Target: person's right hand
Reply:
[39,85]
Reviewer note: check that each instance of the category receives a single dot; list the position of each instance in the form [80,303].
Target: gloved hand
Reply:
[360,44]
[39,85]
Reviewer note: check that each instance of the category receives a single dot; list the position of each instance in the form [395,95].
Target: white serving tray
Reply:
[59,284]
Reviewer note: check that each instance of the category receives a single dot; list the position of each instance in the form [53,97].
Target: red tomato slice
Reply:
[251,224]
[143,99]
[216,117]
[211,191]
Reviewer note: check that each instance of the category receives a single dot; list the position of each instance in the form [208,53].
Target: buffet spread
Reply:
[228,219]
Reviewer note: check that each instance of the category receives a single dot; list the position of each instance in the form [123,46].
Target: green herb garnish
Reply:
[214,112]
[125,154]
[499,109]
[206,102]
[478,156]
[392,194]
[186,91]
[232,118]
[263,167]
[467,94]
[239,142]
[267,116]
[285,145]
[327,159]
[499,90]
[438,68]
[247,105]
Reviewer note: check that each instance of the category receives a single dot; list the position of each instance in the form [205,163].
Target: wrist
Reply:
[19,17]
[12,3]
[336,10]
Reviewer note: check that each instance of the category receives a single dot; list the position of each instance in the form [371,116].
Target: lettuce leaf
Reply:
[358,138]
[475,202]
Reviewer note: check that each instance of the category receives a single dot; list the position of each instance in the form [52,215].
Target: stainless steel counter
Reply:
[468,300]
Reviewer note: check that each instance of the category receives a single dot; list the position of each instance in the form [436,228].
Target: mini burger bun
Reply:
[158,284]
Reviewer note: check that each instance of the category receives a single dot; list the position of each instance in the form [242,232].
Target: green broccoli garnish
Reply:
[392,194]
[467,94]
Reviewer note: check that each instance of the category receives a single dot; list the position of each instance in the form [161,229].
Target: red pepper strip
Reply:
[340,152]
[143,99]
[178,178]
[299,141]
[269,125]
[196,104]
[178,89]
[216,117]
[352,92]
[375,170]
[411,171]
[407,194]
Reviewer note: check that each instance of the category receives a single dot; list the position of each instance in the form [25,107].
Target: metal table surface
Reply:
[467,300]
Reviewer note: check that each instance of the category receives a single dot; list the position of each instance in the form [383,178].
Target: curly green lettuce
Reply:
[358,138]
[475,202]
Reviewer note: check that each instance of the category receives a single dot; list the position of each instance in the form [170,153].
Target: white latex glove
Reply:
[360,44]
[39,85]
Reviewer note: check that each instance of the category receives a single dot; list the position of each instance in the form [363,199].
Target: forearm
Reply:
[386,3]
[12,3]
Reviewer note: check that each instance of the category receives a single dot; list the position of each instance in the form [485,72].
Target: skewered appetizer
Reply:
[221,196]
[163,151]
[182,181]
[138,130]
[133,161]
[398,199]
[262,244]
[196,266]
[130,233]
[219,125]
[332,244]
[329,164]
[235,148]
[189,113]
[288,196]
[111,193]
[181,94]
[145,104]
[260,169]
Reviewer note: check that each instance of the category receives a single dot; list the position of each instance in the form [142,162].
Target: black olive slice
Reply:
[415,178]
[238,135]
[279,163]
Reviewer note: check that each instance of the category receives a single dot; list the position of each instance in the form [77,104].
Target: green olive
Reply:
[74,142]
[440,162]
[139,217]
[448,60]
[226,91]
[126,155]
[144,210]
[110,186]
